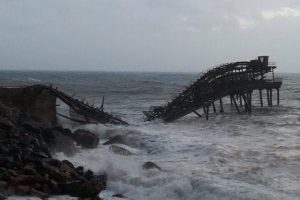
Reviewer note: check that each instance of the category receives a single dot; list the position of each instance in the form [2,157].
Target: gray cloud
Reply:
[146,35]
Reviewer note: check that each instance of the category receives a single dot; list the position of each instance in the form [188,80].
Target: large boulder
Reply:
[86,139]
[150,165]
[118,139]
[120,150]
[92,187]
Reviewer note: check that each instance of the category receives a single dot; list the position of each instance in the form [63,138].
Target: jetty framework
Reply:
[237,80]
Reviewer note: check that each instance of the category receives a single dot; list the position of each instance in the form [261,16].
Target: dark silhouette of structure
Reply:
[237,80]
[40,102]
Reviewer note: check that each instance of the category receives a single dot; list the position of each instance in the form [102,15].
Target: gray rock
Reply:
[120,150]
[150,165]
[86,139]
[119,195]
[118,139]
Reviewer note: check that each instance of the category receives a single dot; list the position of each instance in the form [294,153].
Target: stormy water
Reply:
[230,156]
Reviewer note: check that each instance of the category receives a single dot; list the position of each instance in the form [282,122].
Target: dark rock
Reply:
[6,125]
[150,165]
[40,194]
[68,169]
[86,139]
[40,154]
[118,139]
[71,188]
[54,187]
[2,197]
[118,195]
[68,163]
[62,130]
[23,189]
[93,187]
[29,126]
[12,172]
[3,185]
[25,180]
[29,169]
[26,165]
[79,170]
[55,162]
[63,143]
[56,174]
[89,174]
[120,150]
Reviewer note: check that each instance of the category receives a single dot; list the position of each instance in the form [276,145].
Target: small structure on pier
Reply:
[40,102]
[237,80]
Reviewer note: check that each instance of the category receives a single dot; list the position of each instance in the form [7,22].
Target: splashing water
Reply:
[230,156]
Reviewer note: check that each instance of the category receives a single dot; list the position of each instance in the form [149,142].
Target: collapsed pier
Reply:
[237,80]
[40,101]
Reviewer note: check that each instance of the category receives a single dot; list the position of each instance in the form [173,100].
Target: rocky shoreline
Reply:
[26,163]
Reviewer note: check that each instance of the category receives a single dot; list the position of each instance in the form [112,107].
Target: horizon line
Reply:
[112,71]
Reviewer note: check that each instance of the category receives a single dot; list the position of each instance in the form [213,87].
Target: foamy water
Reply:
[230,156]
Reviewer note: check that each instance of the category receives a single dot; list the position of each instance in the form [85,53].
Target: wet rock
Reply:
[6,125]
[40,194]
[93,187]
[12,172]
[2,197]
[54,187]
[150,165]
[29,169]
[68,163]
[40,154]
[26,165]
[31,126]
[119,195]
[55,162]
[23,189]
[71,188]
[118,139]
[79,170]
[86,139]
[68,169]
[89,174]
[3,185]
[120,150]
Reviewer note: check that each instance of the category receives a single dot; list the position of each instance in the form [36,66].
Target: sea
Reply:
[229,156]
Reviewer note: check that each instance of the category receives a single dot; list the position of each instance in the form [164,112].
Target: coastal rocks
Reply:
[52,177]
[121,196]
[27,167]
[118,139]
[150,165]
[120,150]
[86,139]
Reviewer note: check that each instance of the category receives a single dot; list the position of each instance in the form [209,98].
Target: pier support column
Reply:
[246,103]
[271,97]
[249,101]
[214,107]
[241,101]
[221,105]
[260,97]
[207,112]
[235,104]
[197,114]
[278,98]
[268,97]
[204,110]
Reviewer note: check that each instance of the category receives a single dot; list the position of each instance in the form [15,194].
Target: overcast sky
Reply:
[147,35]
